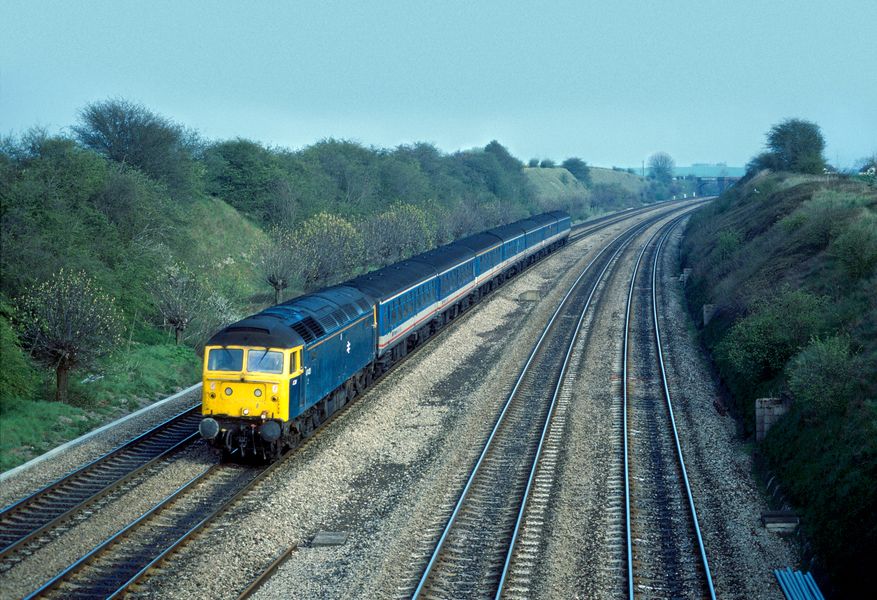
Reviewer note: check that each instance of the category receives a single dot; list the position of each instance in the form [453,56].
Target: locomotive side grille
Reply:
[317,330]
[328,322]
[303,331]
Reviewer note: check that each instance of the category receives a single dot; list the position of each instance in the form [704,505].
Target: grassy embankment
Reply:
[609,190]
[211,235]
[628,181]
[557,185]
[790,262]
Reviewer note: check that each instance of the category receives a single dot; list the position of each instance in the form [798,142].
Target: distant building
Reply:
[709,170]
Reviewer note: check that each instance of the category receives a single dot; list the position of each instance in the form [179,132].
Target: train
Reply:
[272,378]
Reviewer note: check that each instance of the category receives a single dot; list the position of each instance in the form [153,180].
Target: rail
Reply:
[704,564]
[26,519]
[618,244]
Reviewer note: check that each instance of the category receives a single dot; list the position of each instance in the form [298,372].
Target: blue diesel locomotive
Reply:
[272,378]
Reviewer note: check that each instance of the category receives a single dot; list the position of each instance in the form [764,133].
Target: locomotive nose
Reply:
[208,428]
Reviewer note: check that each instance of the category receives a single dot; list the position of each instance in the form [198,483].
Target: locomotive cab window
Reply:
[225,359]
[295,363]
[264,361]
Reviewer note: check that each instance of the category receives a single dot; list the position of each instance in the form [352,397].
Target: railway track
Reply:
[119,561]
[578,233]
[126,557]
[662,545]
[27,521]
[472,553]
[31,519]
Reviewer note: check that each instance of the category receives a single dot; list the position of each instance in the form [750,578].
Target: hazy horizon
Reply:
[610,84]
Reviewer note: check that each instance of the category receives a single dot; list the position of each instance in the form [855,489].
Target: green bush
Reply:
[856,246]
[757,347]
[728,243]
[821,376]
[827,467]
[18,377]
[821,218]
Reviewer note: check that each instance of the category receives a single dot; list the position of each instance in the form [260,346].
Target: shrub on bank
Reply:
[797,318]
[754,352]
[856,246]
[822,375]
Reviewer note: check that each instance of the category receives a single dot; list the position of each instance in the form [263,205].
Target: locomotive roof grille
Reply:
[328,322]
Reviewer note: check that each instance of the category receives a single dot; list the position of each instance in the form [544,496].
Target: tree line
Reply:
[107,211]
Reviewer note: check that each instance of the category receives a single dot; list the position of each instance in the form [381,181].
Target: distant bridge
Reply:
[714,185]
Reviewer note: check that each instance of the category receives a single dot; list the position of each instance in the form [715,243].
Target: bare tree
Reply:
[327,247]
[284,203]
[217,311]
[180,298]
[397,233]
[661,166]
[464,218]
[66,322]
[277,261]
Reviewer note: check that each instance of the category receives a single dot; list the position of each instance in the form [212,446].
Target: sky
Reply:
[610,82]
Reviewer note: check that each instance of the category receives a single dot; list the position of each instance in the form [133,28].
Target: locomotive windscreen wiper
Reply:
[267,362]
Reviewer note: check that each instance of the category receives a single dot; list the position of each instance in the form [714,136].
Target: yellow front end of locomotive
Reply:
[246,382]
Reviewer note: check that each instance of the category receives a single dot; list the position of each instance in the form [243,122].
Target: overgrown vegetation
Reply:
[790,262]
[182,235]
